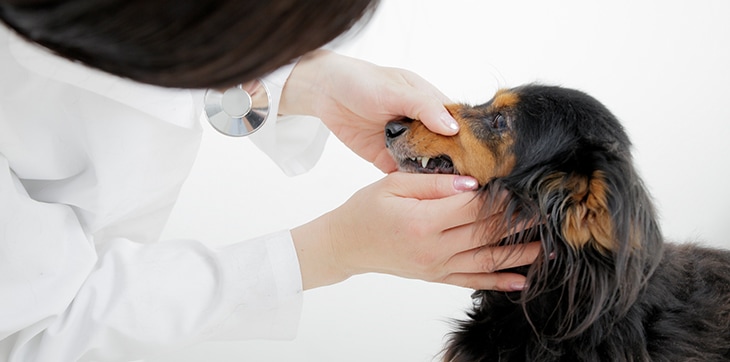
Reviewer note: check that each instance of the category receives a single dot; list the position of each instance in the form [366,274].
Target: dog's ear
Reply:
[602,227]
[597,210]
[584,211]
[578,210]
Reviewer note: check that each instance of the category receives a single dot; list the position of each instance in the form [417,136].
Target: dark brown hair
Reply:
[187,44]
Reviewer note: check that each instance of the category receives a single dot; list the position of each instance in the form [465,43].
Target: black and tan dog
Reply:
[607,287]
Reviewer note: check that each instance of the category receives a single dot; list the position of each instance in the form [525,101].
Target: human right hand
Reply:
[413,226]
[356,99]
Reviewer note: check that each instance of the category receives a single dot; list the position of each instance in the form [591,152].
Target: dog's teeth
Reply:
[424,161]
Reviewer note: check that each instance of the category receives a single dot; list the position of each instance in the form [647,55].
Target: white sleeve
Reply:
[294,143]
[65,301]
[86,185]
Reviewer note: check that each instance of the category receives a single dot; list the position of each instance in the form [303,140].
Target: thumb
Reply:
[429,186]
[430,110]
[426,104]
[438,120]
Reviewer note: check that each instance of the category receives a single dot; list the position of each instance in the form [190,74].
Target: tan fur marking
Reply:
[588,218]
[504,99]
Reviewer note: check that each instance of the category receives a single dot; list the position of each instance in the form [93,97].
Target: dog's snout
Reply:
[392,130]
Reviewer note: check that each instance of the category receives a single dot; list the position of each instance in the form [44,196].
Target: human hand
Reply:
[355,99]
[413,226]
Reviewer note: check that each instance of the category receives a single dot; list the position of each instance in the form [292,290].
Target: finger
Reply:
[432,113]
[417,82]
[462,238]
[472,235]
[428,186]
[452,214]
[425,103]
[491,259]
[505,282]
[384,162]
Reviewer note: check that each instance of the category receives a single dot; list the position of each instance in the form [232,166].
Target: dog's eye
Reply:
[499,121]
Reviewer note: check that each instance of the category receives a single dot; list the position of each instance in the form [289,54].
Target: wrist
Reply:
[318,259]
[304,85]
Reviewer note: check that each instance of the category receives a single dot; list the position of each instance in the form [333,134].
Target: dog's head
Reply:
[565,162]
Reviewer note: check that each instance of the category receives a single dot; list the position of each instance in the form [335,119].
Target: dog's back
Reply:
[683,314]
[685,311]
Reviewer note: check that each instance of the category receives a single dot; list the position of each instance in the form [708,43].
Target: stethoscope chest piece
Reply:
[238,111]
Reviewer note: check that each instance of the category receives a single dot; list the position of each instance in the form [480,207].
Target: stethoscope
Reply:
[238,111]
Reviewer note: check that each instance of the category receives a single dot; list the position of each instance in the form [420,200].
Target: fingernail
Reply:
[465,183]
[449,121]
[517,286]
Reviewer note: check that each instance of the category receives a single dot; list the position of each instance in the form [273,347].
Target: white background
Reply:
[660,66]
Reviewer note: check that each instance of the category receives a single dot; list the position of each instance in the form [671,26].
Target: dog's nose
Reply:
[392,130]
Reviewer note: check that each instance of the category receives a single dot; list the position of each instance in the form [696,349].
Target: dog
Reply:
[606,286]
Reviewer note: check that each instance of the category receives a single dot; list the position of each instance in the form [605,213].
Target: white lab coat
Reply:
[90,167]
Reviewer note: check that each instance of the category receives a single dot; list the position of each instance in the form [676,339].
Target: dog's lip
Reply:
[428,164]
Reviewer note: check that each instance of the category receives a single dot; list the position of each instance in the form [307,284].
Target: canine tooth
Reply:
[424,161]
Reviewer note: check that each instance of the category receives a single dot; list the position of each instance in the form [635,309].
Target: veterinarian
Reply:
[92,163]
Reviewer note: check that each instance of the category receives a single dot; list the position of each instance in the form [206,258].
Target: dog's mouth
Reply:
[425,164]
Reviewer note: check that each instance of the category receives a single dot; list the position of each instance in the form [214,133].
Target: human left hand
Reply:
[355,99]
[416,226]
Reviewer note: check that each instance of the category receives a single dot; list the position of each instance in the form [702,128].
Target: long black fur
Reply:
[641,299]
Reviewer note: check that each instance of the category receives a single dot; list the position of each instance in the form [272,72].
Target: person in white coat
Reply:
[91,164]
